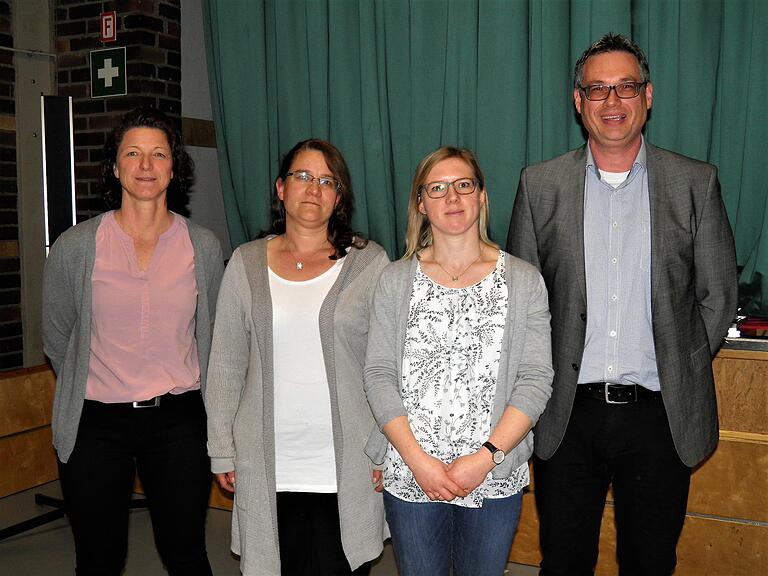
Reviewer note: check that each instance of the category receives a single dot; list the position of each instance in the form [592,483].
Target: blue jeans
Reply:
[429,537]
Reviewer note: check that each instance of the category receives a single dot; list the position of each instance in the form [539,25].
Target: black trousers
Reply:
[166,444]
[310,536]
[629,446]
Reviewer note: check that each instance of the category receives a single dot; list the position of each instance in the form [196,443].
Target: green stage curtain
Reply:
[388,81]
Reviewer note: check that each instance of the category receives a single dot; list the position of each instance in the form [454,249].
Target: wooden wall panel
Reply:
[525,547]
[715,547]
[198,132]
[26,460]
[708,546]
[742,390]
[733,482]
[26,397]
[219,498]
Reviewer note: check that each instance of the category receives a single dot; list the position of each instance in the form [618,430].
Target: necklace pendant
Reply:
[455,278]
[299,265]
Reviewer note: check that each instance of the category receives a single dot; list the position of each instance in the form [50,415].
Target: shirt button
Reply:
[613,260]
[575,367]
[615,224]
[614,297]
[610,368]
[583,317]
[613,333]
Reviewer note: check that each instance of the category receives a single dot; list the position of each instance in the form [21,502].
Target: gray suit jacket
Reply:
[693,285]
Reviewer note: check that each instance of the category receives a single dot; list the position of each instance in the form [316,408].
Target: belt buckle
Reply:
[144,403]
[607,396]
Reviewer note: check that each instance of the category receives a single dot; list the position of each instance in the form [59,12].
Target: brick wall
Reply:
[10,278]
[151,32]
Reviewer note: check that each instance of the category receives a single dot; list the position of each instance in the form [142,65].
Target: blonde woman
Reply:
[458,370]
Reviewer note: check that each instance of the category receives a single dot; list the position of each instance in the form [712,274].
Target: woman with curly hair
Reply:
[287,416]
[128,309]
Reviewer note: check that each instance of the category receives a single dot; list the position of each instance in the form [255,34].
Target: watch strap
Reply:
[497,454]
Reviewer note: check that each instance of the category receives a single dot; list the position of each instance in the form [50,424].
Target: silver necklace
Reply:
[455,277]
[299,262]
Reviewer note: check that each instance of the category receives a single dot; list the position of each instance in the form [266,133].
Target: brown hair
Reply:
[183,167]
[340,233]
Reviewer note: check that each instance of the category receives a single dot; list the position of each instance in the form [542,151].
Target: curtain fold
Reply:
[387,81]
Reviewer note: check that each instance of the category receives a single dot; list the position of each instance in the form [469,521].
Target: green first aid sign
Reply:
[108,73]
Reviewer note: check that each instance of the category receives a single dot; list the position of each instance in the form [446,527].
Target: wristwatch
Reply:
[496,454]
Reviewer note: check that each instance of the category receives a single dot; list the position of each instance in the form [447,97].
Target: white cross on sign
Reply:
[108,72]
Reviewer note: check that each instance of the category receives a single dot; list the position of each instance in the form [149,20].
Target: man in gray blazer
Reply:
[637,253]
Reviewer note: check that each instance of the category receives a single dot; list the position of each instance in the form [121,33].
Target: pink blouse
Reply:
[143,322]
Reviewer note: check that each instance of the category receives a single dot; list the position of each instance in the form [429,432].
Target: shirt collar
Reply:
[638,163]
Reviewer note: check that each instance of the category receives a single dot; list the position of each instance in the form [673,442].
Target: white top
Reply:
[614,179]
[304,454]
[450,365]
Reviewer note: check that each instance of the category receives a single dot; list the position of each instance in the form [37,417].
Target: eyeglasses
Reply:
[624,90]
[325,182]
[440,189]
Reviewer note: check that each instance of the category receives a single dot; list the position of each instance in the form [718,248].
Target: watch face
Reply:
[498,457]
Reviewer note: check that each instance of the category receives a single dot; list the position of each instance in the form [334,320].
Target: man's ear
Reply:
[577,99]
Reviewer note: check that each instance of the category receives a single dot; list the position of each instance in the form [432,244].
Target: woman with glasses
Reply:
[287,415]
[458,370]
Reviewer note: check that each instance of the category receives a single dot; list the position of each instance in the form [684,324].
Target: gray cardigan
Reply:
[67,317]
[239,400]
[525,368]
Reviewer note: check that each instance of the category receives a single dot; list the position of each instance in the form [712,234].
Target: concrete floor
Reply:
[48,550]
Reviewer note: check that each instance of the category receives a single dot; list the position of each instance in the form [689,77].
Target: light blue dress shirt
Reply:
[619,345]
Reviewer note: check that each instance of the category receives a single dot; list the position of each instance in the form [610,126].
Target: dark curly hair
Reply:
[183,167]
[340,233]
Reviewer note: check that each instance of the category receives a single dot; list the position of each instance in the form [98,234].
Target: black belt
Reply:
[155,402]
[616,393]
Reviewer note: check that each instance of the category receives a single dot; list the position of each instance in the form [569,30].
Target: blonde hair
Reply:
[418,235]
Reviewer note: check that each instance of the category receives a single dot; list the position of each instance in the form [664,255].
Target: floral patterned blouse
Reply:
[450,364]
